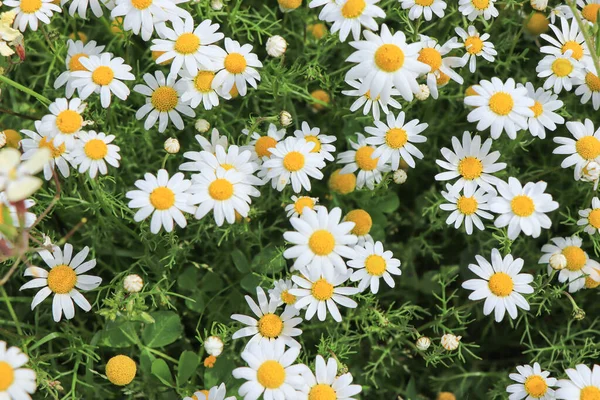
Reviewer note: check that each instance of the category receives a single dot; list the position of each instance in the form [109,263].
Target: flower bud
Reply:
[172,146]
[202,125]
[285,118]
[213,345]
[558,261]
[276,46]
[133,283]
[423,343]
[578,314]
[591,172]
[539,5]
[399,176]
[216,5]
[450,342]
[423,93]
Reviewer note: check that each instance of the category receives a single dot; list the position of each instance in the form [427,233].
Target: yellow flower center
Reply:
[321,242]
[62,279]
[396,138]
[141,4]
[13,138]
[480,4]
[30,6]
[270,374]
[590,392]
[227,167]
[320,95]
[593,82]
[203,81]
[103,75]
[164,99]
[594,218]
[589,12]
[535,386]
[69,122]
[522,205]
[120,370]
[187,43]
[501,284]
[75,64]
[537,24]
[442,79]
[575,47]
[375,265]
[302,202]
[431,57]
[220,189]
[263,144]
[322,391]
[56,151]
[353,8]
[501,103]
[290,4]
[467,205]
[95,149]
[590,283]
[7,376]
[588,147]
[474,44]
[156,55]
[389,57]
[363,158]
[537,109]
[424,3]
[162,198]
[322,290]
[575,256]
[362,222]
[316,141]
[317,30]
[342,183]
[288,298]
[470,168]
[270,325]
[562,67]
[293,161]
[235,63]
[471,92]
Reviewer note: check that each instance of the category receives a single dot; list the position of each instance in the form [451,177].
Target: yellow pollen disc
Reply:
[474,44]
[424,3]
[535,386]
[396,138]
[203,81]
[322,391]
[442,79]
[467,205]
[263,144]
[431,57]
[302,202]
[537,24]
[69,122]
[537,109]
[30,6]
[156,54]
[293,161]
[562,67]
[322,290]
[288,298]
[320,95]
[389,57]
[316,141]
[501,284]
[162,198]
[522,205]
[210,361]
[103,75]
[353,8]
[270,374]
[375,265]
[61,279]
[471,92]
[227,167]
[594,218]
[7,376]
[590,12]
[321,242]
[95,149]
[75,64]
[590,392]
[56,151]
[188,43]
[362,222]
[120,370]
[576,258]
[220,189]
[363,158]
[164,99]
[317,30]
[342,183]
[593,82]
[501,103]
[446,396]
[141,4]
[480,4]
[13,138]
[235,63]
[290,4]
[588,147]
[590,283]
[270,325]
[575,47]
[470,168]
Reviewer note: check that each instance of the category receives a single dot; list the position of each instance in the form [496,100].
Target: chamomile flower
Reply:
[66,275]
[163,197]
[501,285]
[81,7]
[163,101]
[188,47]
[328,6]
[215,393]
[372,263]
[426,8]
[501,106]
[140,16]
[352,16]
[591,217]
[362,225]
[60,156]
[318,293]
[76,50]
[369,104]
[360,159]
[281,292]
[589,10]
[299,202]
[560,11]
[475,8]
[17,178]
[325,384]
[583,382]
[94,151]
[261,146]
[588,87]
[532,383]
[578,262]
[395,139]
[269,327]
[544,117]
[559,71]
[441,72]
[384,62]
[320,241]
[200,89]
[216,139]
[29,12]
[322,142]
[237,66]
[15,382]
[522,208]
[469,206]
[103,75]
[471,162]
[568,37]
[582,150]
[65,122]
[476,45]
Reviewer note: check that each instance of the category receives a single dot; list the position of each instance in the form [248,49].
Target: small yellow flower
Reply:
[342,184]
[210,361]
[120,370]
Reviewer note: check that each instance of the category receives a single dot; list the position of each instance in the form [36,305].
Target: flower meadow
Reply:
[311,200]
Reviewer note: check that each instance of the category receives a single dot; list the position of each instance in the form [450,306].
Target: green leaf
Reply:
[220,373]
[240,261]
[188,279]
[146,360]
[118,334]
[211,282]
[160,369]
[269,261]
[197,305]
[411,390]
[188,362]
[164,331]
[250,282]
[388,203]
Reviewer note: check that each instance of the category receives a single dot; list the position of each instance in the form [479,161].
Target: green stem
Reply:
[11,311]
[22,88]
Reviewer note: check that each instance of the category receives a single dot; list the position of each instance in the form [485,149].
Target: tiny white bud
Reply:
[172,146]
[423,343]
[216,5]
[202,125]
[285,118]
[133,283]
[423,93]
[276,46]
[591,172]
[47,241]
[213,345]
[450,342]
[558,261]
[539,5]
[400,176]
[2,139]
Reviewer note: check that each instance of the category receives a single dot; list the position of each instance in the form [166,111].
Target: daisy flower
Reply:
[63,279]
[281,293]
[16,382]
[215,393]
[475,8]
[318,293]
[163,197]
[583,382]
[568,37]
[426,8]
[501,106]
[589,10]
[29,12]
[140,16]
[261,146]
[15,214]
[287,6]
[60,157]
[522,208]
[322,142]
[237,66]
[369,104]
[470,206]
[385,62]
[476,45]
[591,217]
[471,162]
[320,241]
[362,225]
[269,327]
[103,75]
[188,47]
[441,72]
[545,103]
[560,11]
[582,150]
[228,159]
[81,7]
[394,140]
[325,383]
[501,285]
[588,87]
[578,263]
[532,383]
[163,101]
[16,177]
[65,122]
[200,89]
[270,372]
[372,263]
[211,146]
[559,71]
[94,150]
[76,50]
[293,160]
[352,16]
[360,159]
[295,209]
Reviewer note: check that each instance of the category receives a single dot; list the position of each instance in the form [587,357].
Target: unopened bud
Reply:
[216,5]
[202,125]
[133,283]
[423,92]
[276,46]
[285,118]
[423,343]
[399,176]
[213,346]
[450,342]
[539,5]
[558,261]
[172,146]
